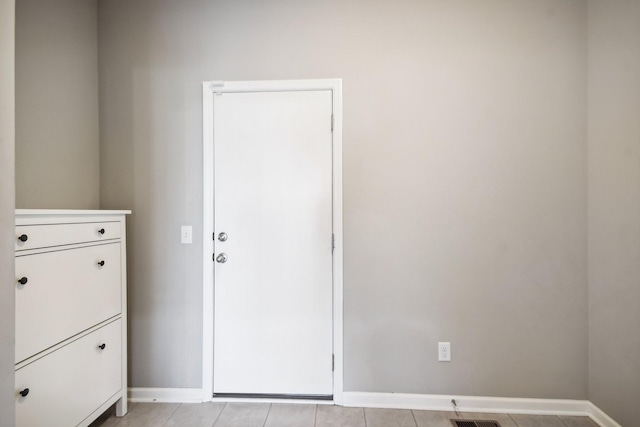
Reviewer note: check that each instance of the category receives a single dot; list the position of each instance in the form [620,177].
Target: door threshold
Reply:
[274,398]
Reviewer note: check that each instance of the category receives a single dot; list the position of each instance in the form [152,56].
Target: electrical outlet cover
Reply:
[186,235]
[444,352]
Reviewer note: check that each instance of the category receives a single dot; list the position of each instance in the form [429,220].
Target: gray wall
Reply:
[614,208]
[57,163]
[7,194]
[465,192]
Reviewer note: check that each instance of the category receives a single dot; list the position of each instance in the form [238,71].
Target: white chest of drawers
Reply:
[71,316]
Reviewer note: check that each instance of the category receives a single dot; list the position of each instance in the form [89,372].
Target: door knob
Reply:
[222,258]
[223,237]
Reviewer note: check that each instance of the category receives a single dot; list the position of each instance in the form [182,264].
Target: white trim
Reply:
[338,295]
[208,90]
[427,402]
[207,245]
[430,402]
[600,417]
[165,395]
[496,405]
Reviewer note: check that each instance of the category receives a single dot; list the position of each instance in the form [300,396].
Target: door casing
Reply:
[209,89]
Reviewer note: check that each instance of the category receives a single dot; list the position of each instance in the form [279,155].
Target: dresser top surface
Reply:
[68,212]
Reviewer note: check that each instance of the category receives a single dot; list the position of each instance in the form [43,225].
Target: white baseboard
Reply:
[195,395]
[174,395]
[600,417]
[497,405]
[428,402]
[439,402]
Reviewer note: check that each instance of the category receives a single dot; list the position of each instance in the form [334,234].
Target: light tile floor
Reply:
[232,414]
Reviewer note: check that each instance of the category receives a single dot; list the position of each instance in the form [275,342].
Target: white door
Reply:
[273,271]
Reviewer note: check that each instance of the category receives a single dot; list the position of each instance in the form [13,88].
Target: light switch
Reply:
[186,235]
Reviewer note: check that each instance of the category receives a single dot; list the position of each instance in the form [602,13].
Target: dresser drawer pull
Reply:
[101,263]
[24,392]
[102,346]
[23,281]
[23,238]
[101,231]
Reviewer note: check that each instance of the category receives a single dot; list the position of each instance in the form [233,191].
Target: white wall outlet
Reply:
[186,235]
[444,352]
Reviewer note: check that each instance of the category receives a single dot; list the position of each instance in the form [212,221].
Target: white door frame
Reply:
[209,89]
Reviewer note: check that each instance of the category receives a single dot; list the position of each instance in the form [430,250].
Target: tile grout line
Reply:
[267,417]
[414,418]
[171,414]
[513,419]
[364,415]
[561,422]
[315,417]
[220,413]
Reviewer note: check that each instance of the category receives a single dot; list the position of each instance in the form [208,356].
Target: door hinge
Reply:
[332,123]
[333,242]
[333,362]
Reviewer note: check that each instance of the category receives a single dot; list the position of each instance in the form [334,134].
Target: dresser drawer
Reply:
[66,292]
[44,236]
[70,383]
